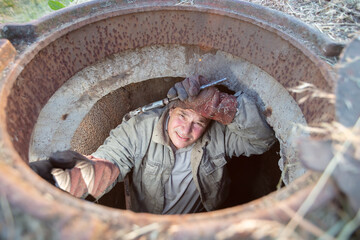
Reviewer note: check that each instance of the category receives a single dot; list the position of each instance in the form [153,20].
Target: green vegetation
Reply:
[56,5]
[21,11]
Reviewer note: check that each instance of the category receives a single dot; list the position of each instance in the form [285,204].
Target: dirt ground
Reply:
[339,19]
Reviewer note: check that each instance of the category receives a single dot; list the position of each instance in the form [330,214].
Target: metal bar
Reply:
[165,101]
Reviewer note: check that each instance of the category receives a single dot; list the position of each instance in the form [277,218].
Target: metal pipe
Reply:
[163,102]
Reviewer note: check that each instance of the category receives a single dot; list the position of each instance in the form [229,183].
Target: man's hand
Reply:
[43,169]
[61,159]
[215,105]
[77,174]
[67,159]
[190,87]
[209,103]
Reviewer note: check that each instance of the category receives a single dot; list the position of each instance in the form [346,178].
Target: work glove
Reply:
[213,104]
[209,103]
[61,159]
[78,175]
[43,169]
[189,87]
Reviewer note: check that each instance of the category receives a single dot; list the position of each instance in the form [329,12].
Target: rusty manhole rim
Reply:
[100,216]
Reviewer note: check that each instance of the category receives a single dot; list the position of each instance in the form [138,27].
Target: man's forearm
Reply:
[249,131]
[249,117]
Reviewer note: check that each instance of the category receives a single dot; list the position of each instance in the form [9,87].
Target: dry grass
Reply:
[311,92]
[349,224]
[339,19]
[339,134]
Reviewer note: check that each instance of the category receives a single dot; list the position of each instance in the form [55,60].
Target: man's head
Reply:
[185,126]
[191,114]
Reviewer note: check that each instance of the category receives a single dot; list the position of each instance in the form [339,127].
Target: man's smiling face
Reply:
[185,127]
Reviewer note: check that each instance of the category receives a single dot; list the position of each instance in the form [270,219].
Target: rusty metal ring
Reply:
[44,47]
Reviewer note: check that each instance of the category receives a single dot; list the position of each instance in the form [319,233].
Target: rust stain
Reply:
[64,117]
[7,53]
[268,112]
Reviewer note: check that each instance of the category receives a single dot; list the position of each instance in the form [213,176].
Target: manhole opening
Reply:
[110,88]
[252,177]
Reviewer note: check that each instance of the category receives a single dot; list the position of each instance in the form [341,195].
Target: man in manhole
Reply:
[176,154]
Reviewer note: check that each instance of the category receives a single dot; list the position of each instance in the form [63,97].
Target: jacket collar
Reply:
[160,135]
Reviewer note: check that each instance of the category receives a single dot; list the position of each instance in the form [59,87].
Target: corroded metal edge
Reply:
[98,10]
[7,53]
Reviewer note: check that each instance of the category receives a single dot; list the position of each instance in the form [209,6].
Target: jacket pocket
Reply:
[211,165]
[212,174]
[150,179]
[214,180]
[152,168]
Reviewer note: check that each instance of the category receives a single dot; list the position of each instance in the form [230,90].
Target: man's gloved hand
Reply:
[215,105]
[67,159]
[43,169]
[189,87]
[209,103]
[78,175]
[61,159]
